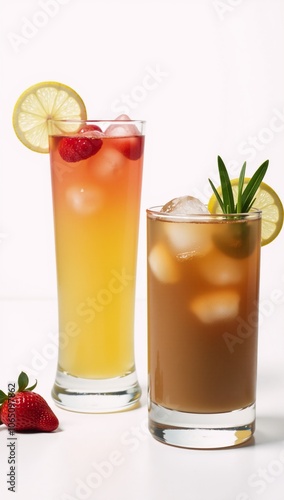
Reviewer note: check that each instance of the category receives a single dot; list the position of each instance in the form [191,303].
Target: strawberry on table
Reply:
[25,410]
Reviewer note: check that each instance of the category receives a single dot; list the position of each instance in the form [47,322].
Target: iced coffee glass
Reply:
[96,173]
[203,287]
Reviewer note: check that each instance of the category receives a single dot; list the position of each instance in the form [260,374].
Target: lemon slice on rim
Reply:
[37,105]
[267,201]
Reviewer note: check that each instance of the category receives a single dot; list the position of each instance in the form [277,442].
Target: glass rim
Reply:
[155,213]
[70,127]
[89,121]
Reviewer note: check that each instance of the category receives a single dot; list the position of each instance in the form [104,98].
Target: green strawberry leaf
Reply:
[31,388]
[23,381]
[3,397]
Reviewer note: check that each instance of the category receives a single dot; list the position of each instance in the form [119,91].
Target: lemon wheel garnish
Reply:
[38,104]
[267,201]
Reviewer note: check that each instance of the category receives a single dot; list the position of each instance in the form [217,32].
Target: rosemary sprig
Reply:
[240,187]
[245,197]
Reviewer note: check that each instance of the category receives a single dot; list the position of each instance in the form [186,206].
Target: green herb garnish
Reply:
[246,197]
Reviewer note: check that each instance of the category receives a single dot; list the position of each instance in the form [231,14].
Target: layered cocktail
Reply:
[96,183]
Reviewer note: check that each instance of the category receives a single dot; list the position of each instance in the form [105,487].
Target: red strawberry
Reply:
[131,147]
[89,128]
[25,410]
[73,149]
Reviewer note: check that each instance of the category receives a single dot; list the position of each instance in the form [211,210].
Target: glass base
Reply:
[96,396]
[201,431]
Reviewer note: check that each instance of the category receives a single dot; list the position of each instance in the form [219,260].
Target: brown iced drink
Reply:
[203,280]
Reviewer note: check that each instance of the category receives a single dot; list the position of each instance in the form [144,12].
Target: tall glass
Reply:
[96,172]
[203,287]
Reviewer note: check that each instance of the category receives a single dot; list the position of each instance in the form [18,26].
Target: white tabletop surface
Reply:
[113,456]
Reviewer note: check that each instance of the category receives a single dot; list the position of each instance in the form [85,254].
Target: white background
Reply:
[215,87]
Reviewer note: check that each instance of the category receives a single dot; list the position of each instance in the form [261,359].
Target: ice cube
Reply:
[109,163]
[162,264]
[188,239]
[185,205]
[215,306]
[219,269]
[123,129]
[84,200]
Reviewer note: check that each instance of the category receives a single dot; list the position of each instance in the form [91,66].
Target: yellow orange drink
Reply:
[96,184]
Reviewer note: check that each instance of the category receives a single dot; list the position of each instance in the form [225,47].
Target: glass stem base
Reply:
[96,396]
[201,431]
